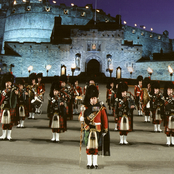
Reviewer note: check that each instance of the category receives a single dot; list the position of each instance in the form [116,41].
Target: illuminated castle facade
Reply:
[36,33]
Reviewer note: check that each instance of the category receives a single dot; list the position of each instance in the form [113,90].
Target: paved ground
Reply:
[31,150]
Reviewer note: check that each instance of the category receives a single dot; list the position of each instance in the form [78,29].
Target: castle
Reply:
[36,33]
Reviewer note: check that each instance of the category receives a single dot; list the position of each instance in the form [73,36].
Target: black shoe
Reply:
[88,166]
[96,166]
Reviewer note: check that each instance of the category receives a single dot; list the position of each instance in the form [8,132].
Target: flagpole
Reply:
[95,17]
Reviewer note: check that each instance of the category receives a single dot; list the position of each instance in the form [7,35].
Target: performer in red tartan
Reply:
[40,91]
[145,99]
[169,113]
[137,94]
[110,95]
[125,104]
[157,106]
[67,93]
[8,105]
[57,112]
[77,95]
[96,128]
[32,94]
[21,109]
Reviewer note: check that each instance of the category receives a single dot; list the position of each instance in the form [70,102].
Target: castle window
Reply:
[109,61]
[28,8]
[83,14]
[159,37]
[142,33]
[133,31]
[151,35]
[106,20]
[77,60]
[88,47]
[118,35]
[99,47]
[47,8]
[13,10]
[66,11]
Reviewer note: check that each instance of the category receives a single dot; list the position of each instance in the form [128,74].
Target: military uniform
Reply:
[21,109]
[96,135]
[8,106]
[137,94]
[125,105]
[57,114]
[157,107]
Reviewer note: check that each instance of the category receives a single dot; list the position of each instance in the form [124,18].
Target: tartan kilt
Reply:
[30,106]
[129,122]
[167,124]
[62,124]
[154,120]
[26,110]
[14,119]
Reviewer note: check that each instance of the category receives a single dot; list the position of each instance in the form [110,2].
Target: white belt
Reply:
[138,92]
[97,124]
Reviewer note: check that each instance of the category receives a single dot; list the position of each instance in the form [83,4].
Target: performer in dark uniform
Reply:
[157,106]
[90,81]
[137,94]
[125,104]
[110,95]
[8,105]
[57,112]
[145,99]
[96,127]
[32,94]
[21,109]
[169,113]
[117,81]
[77,95]
[66,91]
[40,91]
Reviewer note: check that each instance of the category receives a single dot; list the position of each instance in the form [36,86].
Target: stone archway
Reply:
[93,67]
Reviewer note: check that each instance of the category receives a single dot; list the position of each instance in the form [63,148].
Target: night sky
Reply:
[156,14]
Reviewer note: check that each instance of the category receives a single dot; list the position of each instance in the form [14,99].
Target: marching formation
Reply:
[20,100]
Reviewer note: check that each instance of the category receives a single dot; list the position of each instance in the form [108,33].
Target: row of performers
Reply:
[148,99]
[18,102]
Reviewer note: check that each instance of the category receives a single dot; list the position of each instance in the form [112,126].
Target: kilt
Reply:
[25,108]
[156,117]
[31,107]
[168,128]
[62,124]
[13,117]
[120,126]
[94,142]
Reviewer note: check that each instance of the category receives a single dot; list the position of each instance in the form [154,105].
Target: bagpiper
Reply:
[77,95]
[67,93]
[40,91]
[21,109]
[57,112]
[8,105]
[95,121]
[117,81]
[32,94]
[110,95]
[90,81]
[125,104]
[145,99]
[169,113]
[137,94]
[157,106]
